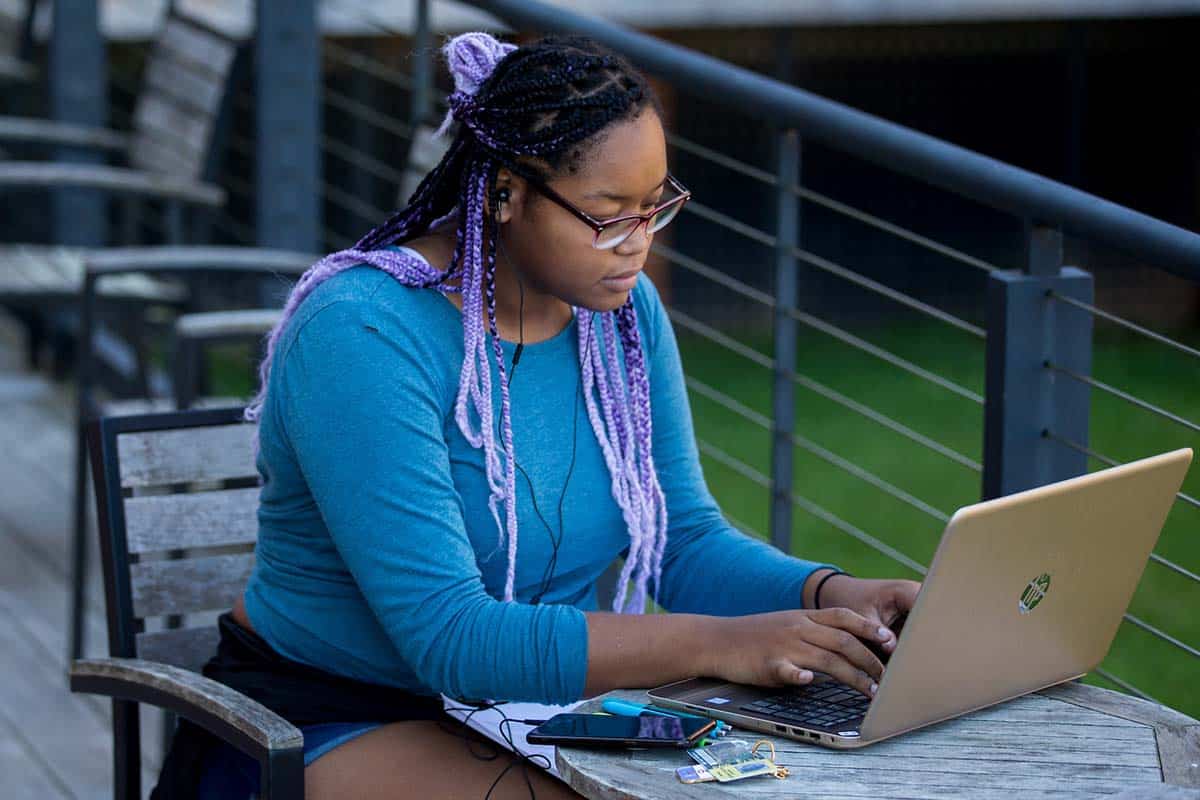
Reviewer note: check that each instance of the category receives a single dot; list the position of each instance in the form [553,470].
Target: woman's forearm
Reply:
[627,651]
[637,651]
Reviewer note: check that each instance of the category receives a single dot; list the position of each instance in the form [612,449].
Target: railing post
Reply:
[1027,330]
[422,95]
[288,83]
[787,228]
[78,94]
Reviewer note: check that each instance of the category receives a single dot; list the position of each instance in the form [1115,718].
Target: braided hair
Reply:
[546,105]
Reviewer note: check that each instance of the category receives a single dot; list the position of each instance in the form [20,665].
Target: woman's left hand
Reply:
[880,601]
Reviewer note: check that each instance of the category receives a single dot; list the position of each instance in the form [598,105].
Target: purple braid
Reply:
[621,425]
[532,102]
[639,389]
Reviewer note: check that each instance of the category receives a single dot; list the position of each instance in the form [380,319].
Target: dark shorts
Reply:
[329,710]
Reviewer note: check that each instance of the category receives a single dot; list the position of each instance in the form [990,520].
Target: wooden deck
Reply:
[53,744]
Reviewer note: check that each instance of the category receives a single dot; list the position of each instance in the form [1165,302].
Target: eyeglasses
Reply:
[611,232]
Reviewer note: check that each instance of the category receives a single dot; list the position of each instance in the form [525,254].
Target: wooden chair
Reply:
[164,482]
[193,333]
[180,118]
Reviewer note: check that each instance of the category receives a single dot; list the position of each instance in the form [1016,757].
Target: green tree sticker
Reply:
[1034,593]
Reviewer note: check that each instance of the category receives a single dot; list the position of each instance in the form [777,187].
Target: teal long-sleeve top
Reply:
[377,555]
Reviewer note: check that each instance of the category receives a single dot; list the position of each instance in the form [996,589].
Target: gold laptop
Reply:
[1025,591]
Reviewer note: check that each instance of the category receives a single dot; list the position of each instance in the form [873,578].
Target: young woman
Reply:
[466,418]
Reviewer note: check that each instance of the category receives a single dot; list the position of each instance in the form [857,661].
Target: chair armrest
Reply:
[44,131]
[182,258]
[224,712]
[117,180]
[236,324]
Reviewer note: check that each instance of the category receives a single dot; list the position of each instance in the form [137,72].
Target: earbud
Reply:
[503,195]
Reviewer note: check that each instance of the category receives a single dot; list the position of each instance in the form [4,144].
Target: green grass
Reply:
[1168,601]
[1164,599]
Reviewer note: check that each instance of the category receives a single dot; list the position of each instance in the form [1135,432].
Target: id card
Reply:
[694,774]
[744,769]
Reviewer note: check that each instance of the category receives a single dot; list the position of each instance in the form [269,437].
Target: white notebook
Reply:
[489,722]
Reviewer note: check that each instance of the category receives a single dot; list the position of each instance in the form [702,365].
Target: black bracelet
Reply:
[820,583]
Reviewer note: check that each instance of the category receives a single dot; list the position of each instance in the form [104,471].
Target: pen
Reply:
[628,708]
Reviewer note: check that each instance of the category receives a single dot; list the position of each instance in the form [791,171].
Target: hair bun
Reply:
[472,57]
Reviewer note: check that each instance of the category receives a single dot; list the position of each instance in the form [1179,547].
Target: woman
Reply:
[467,417]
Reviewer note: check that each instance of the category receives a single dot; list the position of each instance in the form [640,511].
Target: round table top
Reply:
[1071,740]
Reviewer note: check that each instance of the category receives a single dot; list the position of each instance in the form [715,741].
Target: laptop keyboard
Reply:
[827,705]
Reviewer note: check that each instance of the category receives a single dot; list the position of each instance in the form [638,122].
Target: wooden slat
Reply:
[44,175]
[151,154]
[202,50]
[185,87]
[215,324]
[212,453]
[1118,706]
[47,132]
[175,132]
[1180,752]
[47,270]
[178,128]
[156,523]
[188,648]
[137,406]
[185,586]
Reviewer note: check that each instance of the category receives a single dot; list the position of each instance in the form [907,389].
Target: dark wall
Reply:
[1105,106]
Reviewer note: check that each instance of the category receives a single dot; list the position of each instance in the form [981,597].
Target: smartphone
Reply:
[603,730]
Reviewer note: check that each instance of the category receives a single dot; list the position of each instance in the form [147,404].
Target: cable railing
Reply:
[1055,210]
[1124,323]
[826,392]
[742,168]
[730,404]
[707,332]
[1126,396]
[749,472]
[848,338]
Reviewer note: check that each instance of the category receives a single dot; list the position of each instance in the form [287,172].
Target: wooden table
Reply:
[1070,741]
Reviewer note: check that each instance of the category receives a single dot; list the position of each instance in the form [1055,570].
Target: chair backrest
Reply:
[176,495]
[185,90]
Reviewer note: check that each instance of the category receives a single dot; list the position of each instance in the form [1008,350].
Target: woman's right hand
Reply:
[785,648]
